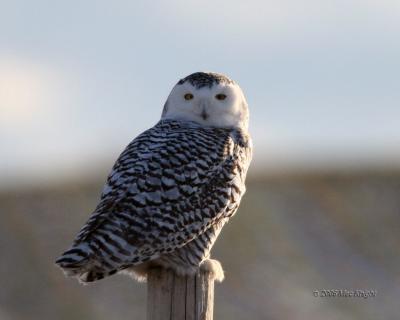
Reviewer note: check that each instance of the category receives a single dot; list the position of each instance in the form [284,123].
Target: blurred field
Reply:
[292,235]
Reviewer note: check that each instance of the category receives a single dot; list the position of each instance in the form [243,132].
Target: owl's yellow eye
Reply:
[220,96]
[188,96]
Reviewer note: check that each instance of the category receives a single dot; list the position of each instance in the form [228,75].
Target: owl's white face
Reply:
[208,99]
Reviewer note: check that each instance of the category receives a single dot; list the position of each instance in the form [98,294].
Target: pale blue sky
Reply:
[80,79]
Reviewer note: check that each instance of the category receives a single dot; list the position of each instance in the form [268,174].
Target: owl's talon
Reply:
[214,267]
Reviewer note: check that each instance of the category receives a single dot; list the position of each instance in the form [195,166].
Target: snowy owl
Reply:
[172,189]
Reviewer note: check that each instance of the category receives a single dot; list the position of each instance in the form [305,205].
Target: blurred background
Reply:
[80,79]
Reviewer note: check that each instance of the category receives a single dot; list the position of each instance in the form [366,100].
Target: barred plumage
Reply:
[167,198]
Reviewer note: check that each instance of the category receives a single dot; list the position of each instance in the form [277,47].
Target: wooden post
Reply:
[172,297]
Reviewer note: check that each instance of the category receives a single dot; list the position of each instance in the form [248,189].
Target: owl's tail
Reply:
[80,262]
[75,260]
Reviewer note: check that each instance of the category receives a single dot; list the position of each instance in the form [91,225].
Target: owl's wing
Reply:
[169,186]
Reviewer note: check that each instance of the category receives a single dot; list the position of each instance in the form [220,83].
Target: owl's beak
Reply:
[204,107]
[204,114]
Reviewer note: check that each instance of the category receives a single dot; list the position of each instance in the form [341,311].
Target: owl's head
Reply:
[210,99]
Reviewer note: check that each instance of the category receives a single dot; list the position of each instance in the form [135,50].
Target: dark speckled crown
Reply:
[205,79]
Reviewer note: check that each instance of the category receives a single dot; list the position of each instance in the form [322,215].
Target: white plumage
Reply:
[172,189]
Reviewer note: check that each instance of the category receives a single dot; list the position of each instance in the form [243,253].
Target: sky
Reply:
[80,79]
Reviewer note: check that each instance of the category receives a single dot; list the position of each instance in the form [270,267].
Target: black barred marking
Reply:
[103,249]
[205,79]
[76,251]
[65,260]
[114,243]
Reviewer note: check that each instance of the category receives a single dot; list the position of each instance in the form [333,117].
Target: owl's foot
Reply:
[214,268]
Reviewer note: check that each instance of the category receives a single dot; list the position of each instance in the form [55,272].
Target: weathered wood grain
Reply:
[173,297]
